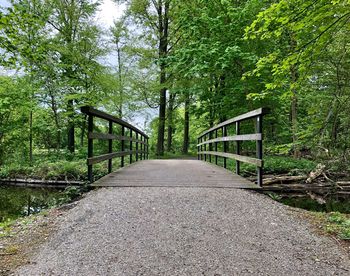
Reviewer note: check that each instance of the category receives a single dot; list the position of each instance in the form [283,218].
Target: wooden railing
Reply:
[139,138]
[211,138]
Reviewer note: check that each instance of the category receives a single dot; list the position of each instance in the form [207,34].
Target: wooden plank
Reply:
[103,157]
[174,173]
[103,115]
[126,138]
[246,159]
[248,115]
[243,137]
[107,136]
[103,136]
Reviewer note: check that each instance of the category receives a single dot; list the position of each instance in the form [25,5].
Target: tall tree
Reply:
[77,39]
[154,18]
[23,40]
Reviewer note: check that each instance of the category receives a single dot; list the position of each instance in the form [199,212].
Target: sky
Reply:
[109,11]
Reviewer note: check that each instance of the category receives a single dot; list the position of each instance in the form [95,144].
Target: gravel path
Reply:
[184,231]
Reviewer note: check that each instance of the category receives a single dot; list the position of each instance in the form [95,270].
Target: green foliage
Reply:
[339,224]
[333,216]
[69,194]
[283,164]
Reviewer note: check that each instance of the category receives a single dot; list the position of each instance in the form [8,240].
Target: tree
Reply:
[154,18]
[309,27]
[77,46]
[23,41]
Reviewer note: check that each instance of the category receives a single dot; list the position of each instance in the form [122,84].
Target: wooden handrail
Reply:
[240,118]
[206,139]
[88,110]
[140,139]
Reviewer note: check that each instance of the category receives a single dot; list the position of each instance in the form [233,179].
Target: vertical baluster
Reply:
[198,148]
[216,147]
[147,149]
[224,134]
[145,139]
[201,147]
[259,149]
[205,148]
[122,146]
[137,147]
[130,146]
[141,147]
[238,148]
[110,146]
[210,146]
[90,146]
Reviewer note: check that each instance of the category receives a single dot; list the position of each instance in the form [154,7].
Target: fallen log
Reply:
[320,168]
[40,183]
[343,183]
[283,179]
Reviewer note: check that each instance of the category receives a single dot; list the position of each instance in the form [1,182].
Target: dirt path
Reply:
[184,231]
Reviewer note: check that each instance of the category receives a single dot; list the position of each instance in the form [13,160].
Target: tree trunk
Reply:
[83,128]
[31,137]
[186,126]
[71,137]
[294,121]
[163,22]
[161,125]
[121,92]
[335,126]
[170,122]
[57,123]
[294,105]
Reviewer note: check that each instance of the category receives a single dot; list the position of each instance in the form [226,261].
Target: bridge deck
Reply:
[174,173]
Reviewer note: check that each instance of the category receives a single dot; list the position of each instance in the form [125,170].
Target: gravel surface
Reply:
[184,231]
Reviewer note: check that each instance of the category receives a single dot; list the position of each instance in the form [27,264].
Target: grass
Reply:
[339,224]
[62,168]
[333,217]
[5,227]
[334,223]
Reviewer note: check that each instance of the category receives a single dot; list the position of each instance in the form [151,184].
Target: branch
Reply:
[323,32]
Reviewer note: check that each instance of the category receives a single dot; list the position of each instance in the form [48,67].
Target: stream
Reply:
[22,201]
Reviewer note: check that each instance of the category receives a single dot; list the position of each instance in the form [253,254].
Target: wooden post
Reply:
[224,134]
[110,146]
[130,146]
[137,147]
[205,148]
[145,139]
[122,147]
[259,149]
[201,147]
[147,148]
[210,145]
[238,148]
[216,147]
[141,147]
[90,146]
[198,148]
